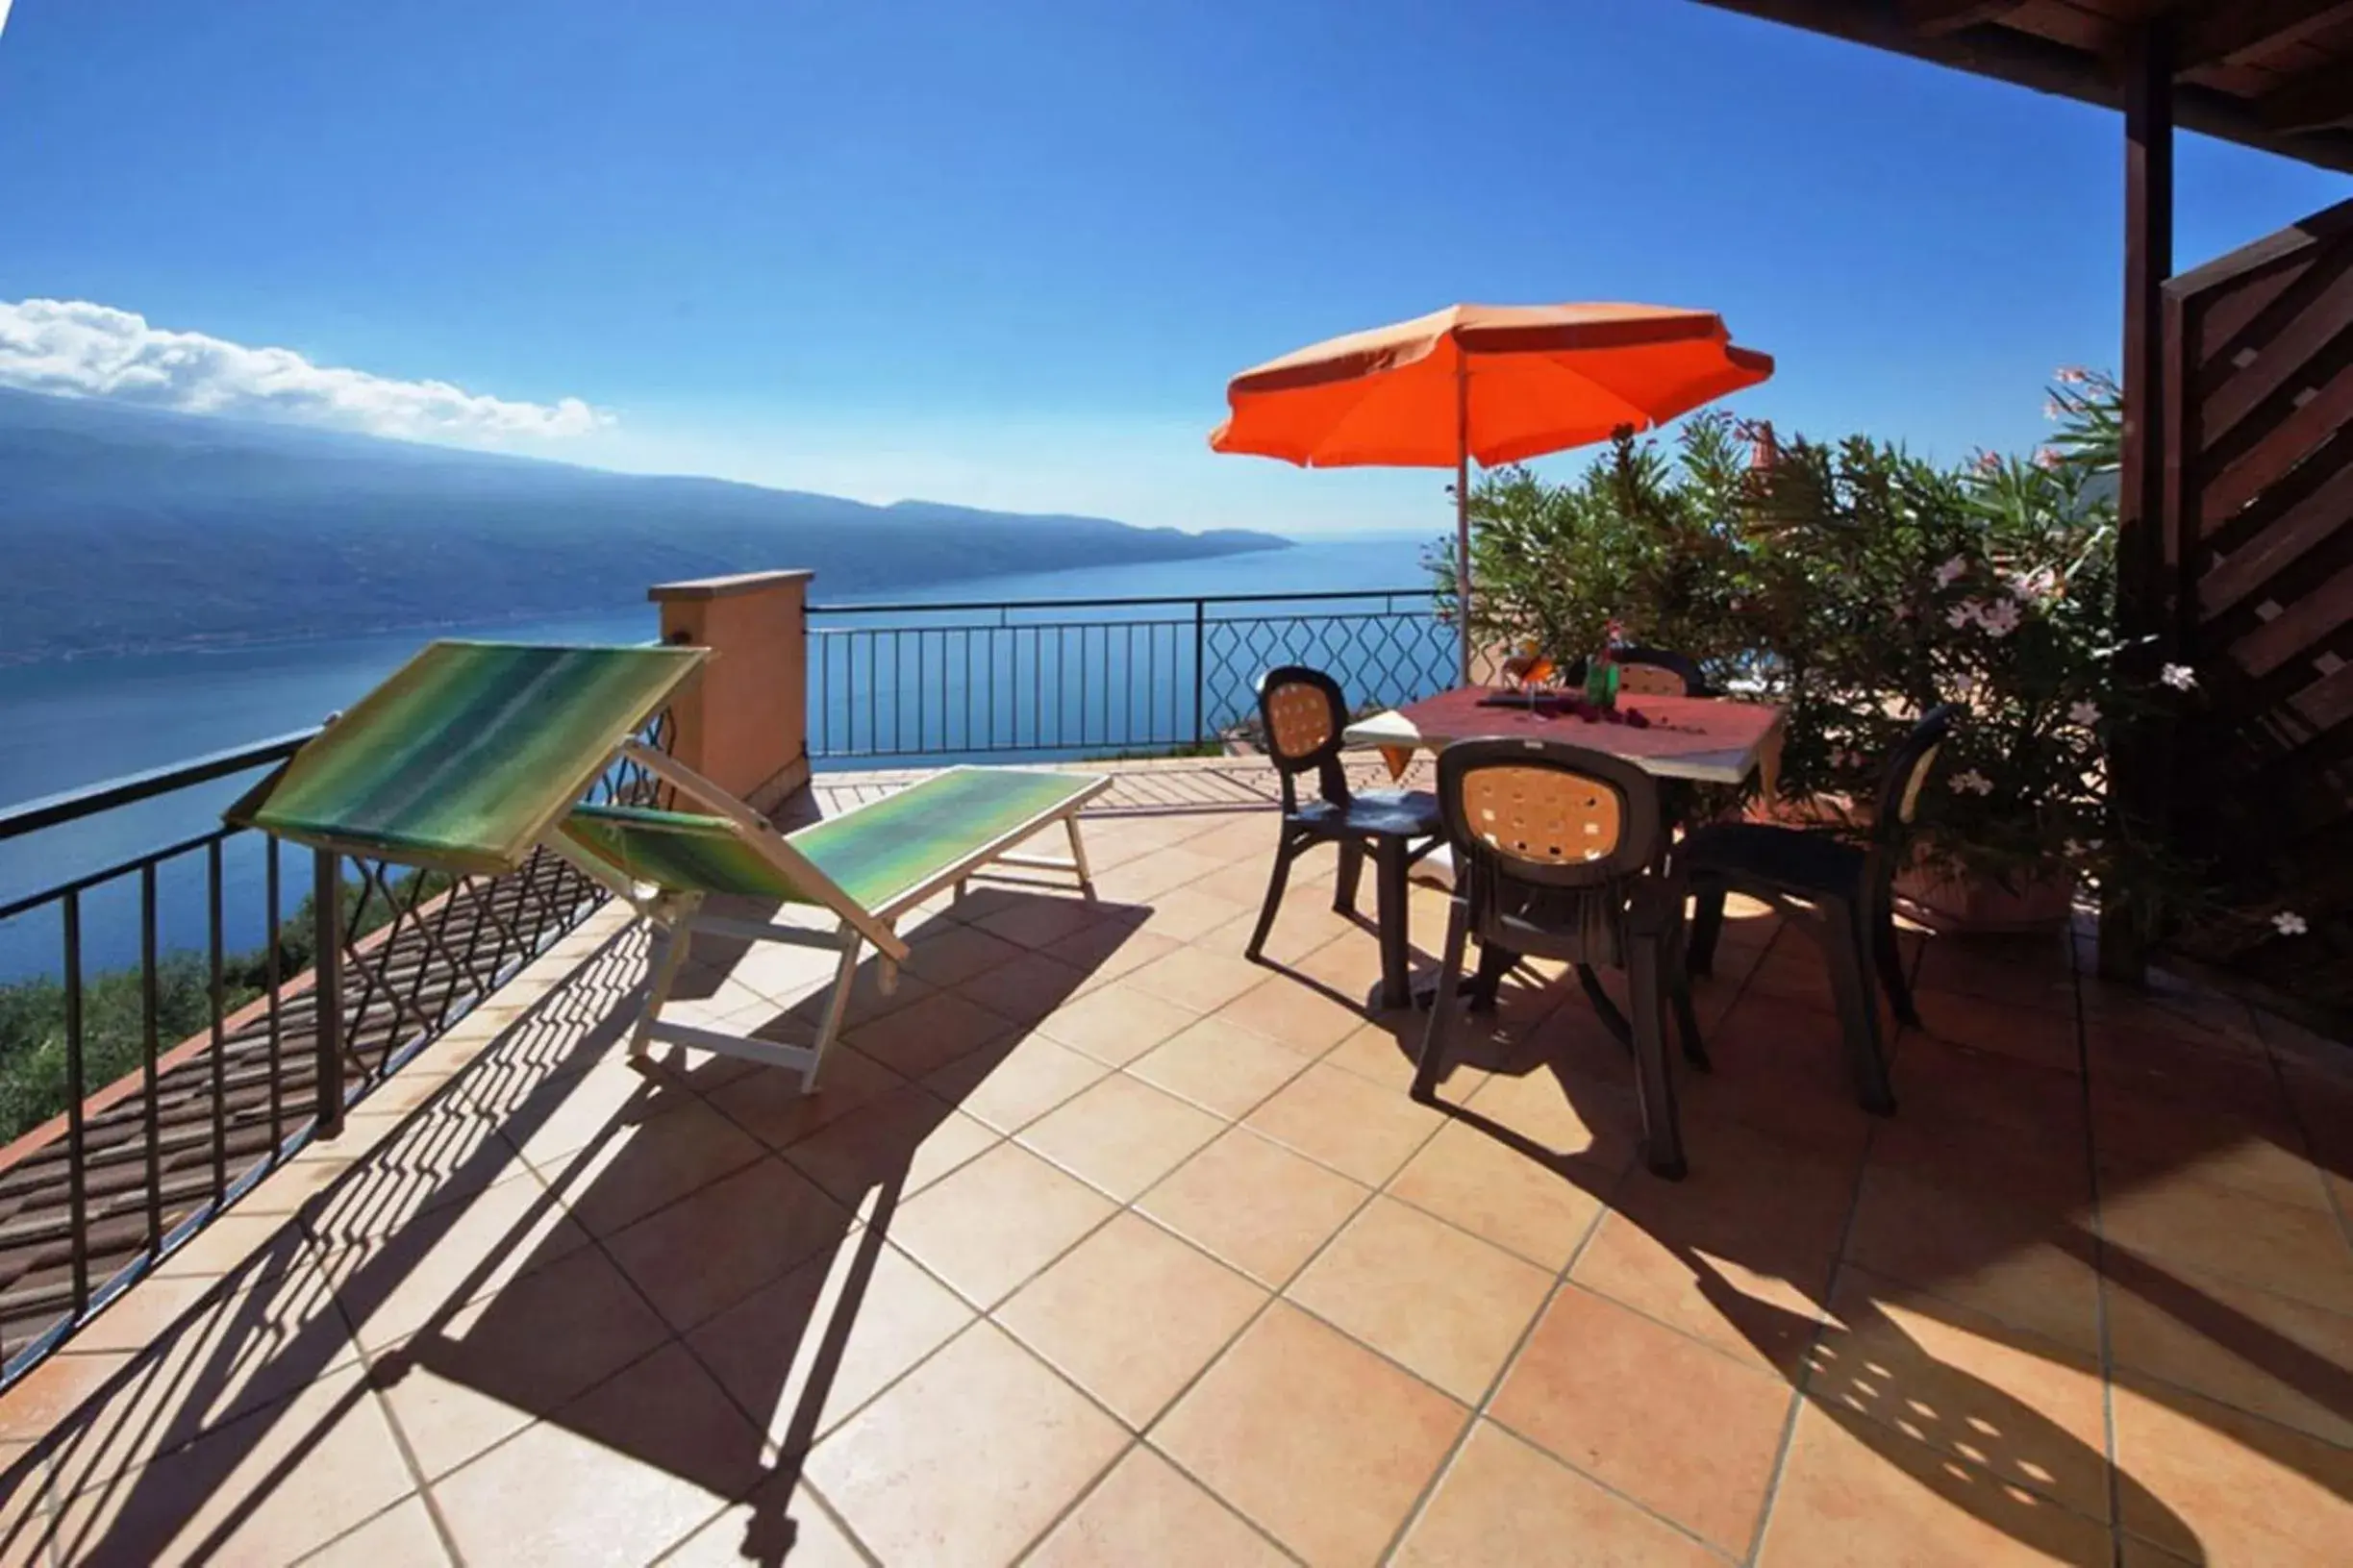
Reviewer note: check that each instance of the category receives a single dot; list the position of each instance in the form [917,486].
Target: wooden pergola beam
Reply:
[2009,54]
[1937,17]
[2222,32]
[2139,766]
[2319,98]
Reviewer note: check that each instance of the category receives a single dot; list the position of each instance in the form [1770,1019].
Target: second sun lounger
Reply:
[868,867]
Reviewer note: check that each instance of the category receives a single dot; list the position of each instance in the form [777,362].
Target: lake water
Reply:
[72,724]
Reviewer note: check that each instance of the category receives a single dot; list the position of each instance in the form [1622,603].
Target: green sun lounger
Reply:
[474,753]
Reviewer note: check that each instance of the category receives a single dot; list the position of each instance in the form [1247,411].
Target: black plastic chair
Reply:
[1303,712]
[1559,853]
[1656,672]
[1841,894]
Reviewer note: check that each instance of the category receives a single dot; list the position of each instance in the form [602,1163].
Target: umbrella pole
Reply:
[1462,509]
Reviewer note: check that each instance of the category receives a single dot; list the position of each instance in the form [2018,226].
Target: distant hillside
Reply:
[124,529]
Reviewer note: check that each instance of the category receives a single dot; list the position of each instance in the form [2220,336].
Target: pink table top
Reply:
[1711,738]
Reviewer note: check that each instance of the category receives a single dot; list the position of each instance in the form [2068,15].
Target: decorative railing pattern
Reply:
[1097,677]
[140,1154]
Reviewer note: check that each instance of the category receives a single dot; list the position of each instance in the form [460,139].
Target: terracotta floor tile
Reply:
[951,951]
[2025,1267]
[1354,1126]
[1593,1123]
[505,1361]
[1121,1135]
[1218,1065]
[626,1470]
[989,1227]
[646,1167]
[2215,1485]
[1445,1305]
[903,1472]
[1189,914]
[1255,1205]
[769,1103]
[2029,1412]
[1293,1013]
[216,1362]
[1009,1091]
[1024,989]
[2046,1038]
[1110,949]
[1684,1430]
[805,1352]
[1130,1314]
[1040,920]
[1850,1498]
[402,1534]
[898,1145]
[2145,1142]
[2294,1251]
[707,1252]
[1756,1302]
[1197,978]
[1536,1207]
[1504,1501]
[2267,1354]
[1116,1023]
[1147,1514]
[1320,1442]
[1152,878]
[796,1530]
[929,1034]
[2218,1070]
[1304,924]
[548,1119]
[390,1288]
[1350,965]
[2026,971]
[280,1483]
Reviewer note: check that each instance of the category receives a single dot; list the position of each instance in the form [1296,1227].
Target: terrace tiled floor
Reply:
[1102,1246]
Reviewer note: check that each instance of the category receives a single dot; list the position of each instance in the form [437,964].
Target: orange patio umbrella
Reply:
[1495,383]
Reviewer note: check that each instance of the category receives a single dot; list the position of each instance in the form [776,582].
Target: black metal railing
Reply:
[193,1032]
[1098,677]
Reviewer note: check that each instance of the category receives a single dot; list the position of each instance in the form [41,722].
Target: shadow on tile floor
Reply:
[556,1215]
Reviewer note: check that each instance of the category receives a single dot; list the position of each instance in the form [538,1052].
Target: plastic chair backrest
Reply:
[1303,710]
[1658,672]
[1907,773]
[1546,813]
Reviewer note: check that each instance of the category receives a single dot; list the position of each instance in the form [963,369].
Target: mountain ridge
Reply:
[125,528]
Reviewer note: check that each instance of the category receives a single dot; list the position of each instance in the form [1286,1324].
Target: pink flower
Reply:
[2048,456]
[1952,571]
[1988,464]
[2052,409]
[1963,614]
[1999,618]
[2288,923]
[2071,375]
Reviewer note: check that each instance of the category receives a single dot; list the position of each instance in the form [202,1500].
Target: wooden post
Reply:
[2138,776]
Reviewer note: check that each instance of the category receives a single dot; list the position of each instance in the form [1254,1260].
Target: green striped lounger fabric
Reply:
[878,855]
[469,754]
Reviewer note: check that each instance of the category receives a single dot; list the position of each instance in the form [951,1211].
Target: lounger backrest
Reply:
[469,754]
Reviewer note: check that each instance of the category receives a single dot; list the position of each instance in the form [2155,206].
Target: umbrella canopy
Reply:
[1495,383]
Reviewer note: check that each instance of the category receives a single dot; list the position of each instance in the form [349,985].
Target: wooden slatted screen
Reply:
[2259,376]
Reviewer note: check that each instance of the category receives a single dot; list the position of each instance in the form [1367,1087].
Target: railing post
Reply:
[327,988]
[1200,676]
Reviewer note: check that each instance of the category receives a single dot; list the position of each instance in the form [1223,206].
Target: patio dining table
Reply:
[1703,739]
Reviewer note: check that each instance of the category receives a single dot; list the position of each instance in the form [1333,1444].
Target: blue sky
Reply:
[1008,254]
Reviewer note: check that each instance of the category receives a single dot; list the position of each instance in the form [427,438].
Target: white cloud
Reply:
[81,349]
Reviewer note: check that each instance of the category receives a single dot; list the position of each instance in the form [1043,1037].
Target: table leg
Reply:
[1388,875]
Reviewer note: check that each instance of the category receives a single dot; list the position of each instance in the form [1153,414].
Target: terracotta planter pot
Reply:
[1971,905]
[1953,906]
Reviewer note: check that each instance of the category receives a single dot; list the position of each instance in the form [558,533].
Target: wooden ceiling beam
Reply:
[2315,101]
[1935,18]
[2227,31]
